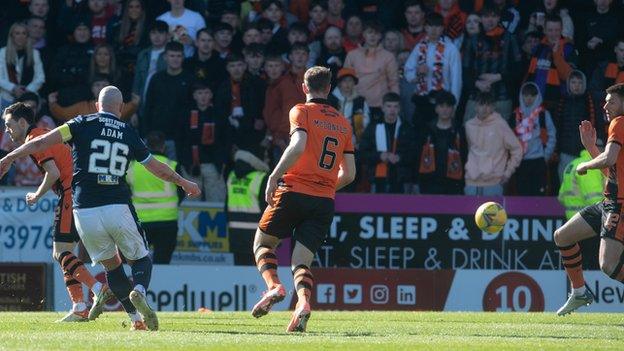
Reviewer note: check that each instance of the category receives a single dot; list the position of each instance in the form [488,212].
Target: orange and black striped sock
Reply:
[304,281]
[618,272]
[74,267]
[573,264]
[266,261]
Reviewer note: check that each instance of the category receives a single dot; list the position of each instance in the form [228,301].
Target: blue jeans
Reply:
[492,190]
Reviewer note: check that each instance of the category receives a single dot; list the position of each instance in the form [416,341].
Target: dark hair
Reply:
[264,23]
[315,3]
[391,97]
[299,27]
[412,3]
[155,140]
[532,34]
[199,85]
[99,77]
[317,78]
[444,97]
[267,3]
[20,110]
[174,46]
[434,19]
[160,26]
[529,89]
[204,30]
[28,96]
[222,26]
[234,57]
[617,89]
[554,18]
[299,46]
[485,98]
[254,49]
[274,57]
[373,25]
[489,10]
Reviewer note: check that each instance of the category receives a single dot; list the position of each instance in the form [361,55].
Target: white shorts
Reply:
[104,229]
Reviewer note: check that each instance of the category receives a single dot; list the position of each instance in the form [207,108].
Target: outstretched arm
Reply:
[290,156]
[52,174]
[164,172]
[605,159]
[37,144]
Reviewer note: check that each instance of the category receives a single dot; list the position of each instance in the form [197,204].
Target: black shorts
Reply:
[604,218]
[306,218]
[64,225]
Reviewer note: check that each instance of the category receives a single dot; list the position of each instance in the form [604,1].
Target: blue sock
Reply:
[120,285]
[142,272]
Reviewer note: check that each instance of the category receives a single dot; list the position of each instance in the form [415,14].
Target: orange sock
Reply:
[74,289]
[304,281]
[573,264]
[266,261]
[74,267]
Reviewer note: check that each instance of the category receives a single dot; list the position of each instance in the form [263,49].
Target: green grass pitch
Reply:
[347,331]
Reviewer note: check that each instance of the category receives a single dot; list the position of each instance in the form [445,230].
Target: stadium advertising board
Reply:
[22,287]
[438,232]
[25,231]
[229,288]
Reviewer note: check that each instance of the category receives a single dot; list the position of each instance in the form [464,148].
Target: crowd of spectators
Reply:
[478,97]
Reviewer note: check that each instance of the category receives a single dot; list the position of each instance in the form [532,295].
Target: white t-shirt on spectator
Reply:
[190,21]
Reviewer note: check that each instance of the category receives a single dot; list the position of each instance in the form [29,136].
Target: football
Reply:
[490,217]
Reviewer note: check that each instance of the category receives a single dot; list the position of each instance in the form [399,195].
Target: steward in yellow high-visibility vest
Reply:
[245,203]
[156,201]
[577,192]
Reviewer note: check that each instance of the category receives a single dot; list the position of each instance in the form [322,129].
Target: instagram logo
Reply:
[379,294]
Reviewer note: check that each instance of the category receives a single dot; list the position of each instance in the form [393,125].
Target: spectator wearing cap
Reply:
[223,36]
[273,10]
[318,19]
[353,33]
[241,100]
[376,68]
[167,93]
[387,149]
[206,65]
[331,54]
[454,18]
[289,94]
[183,24]
[204,142]
[494,151]
[353,106]
[442,151]
[87,106]
[414,30]
[254,58]
[151,59]
[70,68]
[551,63]
[433,65]
[21,69]
[490,64]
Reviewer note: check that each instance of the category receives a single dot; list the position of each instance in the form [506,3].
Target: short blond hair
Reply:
[317,78]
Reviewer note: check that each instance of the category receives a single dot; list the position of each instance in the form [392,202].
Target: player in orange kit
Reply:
[56,164]
[300,192]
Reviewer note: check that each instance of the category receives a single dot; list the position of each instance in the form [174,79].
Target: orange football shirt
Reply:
[329,137]
[60,154]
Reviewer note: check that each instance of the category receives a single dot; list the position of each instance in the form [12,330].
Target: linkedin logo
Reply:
[406,294]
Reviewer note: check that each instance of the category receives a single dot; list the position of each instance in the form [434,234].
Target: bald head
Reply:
[110,100]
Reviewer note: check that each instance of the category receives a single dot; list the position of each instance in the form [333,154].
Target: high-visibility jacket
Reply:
[578,191]
[243,200]
[154,199]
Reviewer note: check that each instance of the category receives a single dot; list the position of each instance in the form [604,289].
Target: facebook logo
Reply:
[406,294]
[326,293]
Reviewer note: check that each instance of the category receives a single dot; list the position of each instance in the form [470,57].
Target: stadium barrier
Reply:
[230,288]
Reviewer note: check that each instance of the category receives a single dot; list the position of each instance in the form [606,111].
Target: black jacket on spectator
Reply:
[203,137]
[252,99]
[572,110]
[211,72]
[608,27]
[334,67]
[399,173]
[164,103]
[443,141]
[70,72]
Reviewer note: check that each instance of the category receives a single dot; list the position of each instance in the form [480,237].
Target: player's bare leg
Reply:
[566,238]
[75,274]
[141,274]
[304,281]
[121,287]
[266,261]
[611,259]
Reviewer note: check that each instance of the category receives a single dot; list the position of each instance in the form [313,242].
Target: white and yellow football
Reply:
[490,217]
